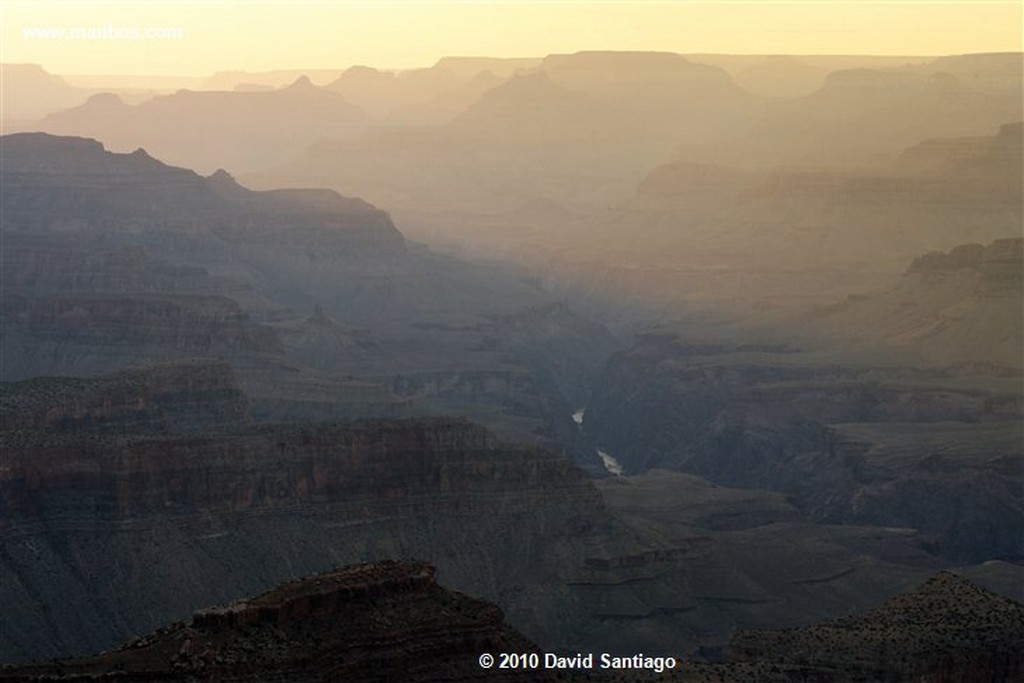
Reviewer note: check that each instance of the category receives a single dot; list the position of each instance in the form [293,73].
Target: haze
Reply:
[256,36]
[670,328]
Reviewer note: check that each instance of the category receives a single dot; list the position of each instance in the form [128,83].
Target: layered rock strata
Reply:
[178,521]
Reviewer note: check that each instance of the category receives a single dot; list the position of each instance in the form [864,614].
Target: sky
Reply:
[198,38]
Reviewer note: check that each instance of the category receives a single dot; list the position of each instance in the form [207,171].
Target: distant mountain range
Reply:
[858,114]
[211,130]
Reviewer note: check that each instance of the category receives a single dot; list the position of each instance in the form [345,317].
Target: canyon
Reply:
[133,499]
[689,355]
[318,302]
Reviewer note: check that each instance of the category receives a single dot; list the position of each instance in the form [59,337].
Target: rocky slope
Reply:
[947,629]
[370,622]
[418,97]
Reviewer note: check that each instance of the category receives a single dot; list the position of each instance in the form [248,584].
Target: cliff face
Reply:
[381,464]
[118,259]
[183,521]
[369,622]
[113,260]
[74,185]
[177,396]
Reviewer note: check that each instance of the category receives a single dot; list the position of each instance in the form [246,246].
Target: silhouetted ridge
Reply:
[104,100]
[52,154]
[125,191]
[302,83]
[207,129]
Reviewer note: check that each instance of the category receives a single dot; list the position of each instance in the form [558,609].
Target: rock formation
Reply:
[118,259]
[185,520]
[896,408]
[957,308]
[32,92]
[180,396]
[390,620]
[948,629]
[383,621]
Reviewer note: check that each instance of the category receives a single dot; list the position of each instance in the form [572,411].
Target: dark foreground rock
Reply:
[385,621]
[390,620]
[947,630]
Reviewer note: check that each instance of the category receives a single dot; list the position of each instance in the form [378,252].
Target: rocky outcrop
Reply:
[1000,255]
[319,595]
[948,629]
[370,622]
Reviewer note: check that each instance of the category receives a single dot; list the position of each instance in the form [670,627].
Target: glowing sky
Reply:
[393,34]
